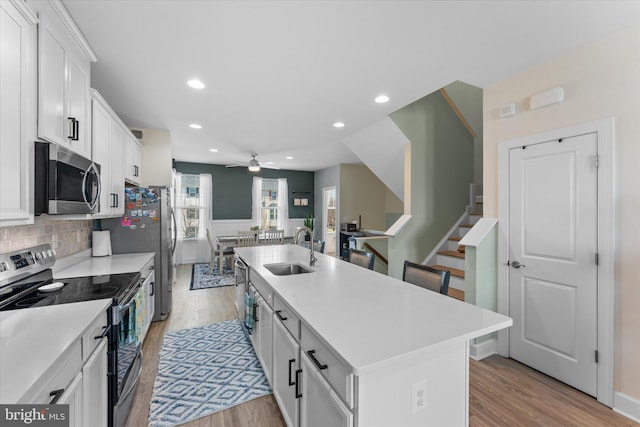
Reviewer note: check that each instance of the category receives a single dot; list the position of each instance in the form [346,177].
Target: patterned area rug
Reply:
[202,279]
[205,370]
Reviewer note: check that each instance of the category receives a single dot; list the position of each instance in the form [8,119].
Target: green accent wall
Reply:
[442,153]
[232,188]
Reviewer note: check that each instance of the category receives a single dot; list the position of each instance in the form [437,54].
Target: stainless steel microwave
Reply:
[65,182]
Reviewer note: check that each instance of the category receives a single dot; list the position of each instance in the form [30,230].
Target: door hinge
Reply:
[597,161]
[597,258]
[596,356]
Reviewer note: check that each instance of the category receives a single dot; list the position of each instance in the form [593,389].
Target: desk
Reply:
[232,242]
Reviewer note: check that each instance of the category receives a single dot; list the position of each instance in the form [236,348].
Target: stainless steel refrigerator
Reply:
[148,225]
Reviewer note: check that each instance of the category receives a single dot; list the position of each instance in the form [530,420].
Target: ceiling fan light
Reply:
[254,166]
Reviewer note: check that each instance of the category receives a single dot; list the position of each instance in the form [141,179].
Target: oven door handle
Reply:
[117,317]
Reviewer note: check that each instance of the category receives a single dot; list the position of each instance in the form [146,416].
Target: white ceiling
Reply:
[278,74]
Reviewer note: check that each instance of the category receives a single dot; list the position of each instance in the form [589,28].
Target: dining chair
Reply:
[362,258]
[318,246]
[426,277]
[272,237]
[247,238]
[215,254]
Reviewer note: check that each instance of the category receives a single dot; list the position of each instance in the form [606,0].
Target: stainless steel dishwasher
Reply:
[242,285]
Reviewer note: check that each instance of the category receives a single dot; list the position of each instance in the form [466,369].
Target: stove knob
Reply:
[51,252]
[39,256]
[3,266]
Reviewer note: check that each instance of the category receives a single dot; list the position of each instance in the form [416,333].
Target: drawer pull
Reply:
[298,394]
[315,361]
[280,316]
[57,394]
[104,333]
[291,362]
[255,312]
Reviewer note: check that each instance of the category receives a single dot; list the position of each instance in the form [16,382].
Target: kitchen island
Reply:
[385,352]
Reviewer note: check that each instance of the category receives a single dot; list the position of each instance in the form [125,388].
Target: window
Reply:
[270,203]
[192,205]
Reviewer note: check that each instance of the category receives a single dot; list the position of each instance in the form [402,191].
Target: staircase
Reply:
[450,255]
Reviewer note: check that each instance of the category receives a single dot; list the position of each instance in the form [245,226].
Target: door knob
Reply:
[516,264]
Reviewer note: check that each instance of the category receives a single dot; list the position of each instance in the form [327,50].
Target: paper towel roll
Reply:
[101,243]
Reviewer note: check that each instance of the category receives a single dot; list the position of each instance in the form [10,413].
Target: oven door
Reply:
[129,322]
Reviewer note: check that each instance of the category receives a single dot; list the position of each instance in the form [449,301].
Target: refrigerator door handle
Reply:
[175,232]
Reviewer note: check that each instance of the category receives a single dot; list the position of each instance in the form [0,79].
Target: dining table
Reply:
[232,241]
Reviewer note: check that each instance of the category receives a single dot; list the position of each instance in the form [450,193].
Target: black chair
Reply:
[361,258]
[318,246]
[426,277]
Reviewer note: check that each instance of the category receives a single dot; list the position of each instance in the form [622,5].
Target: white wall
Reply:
[601,79]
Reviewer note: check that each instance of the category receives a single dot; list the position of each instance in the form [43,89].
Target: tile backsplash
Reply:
[67,237]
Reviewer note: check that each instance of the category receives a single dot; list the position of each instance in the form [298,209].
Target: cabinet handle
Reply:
[291,362]
[76,129]
[56,396]
[298,394]
[72,128]
[281,317]
[153,288]
[255,312]
[104,333]
[315,361]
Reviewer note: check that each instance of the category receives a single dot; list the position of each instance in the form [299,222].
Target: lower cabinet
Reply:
[263,334]
[73,397]
[95,387]
[285,376]
[320,406]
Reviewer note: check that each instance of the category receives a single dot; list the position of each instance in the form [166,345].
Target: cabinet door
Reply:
[133,155]
[51,83]
[150,286]
[101,141]
[73,397]
[264,327]
[116,193]
[285,363]
[17,115]
[319,405]
[95,388]
[77,105]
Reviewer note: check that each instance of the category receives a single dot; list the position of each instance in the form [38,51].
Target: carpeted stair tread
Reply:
[456,293]
[454,271]
[455,254]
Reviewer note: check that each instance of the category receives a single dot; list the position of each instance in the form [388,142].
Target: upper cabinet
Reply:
[133,159]
[64,58]
[17,111]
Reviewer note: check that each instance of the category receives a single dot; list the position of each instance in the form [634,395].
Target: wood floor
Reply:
[502,391]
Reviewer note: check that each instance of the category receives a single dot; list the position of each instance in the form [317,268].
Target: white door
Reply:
[329,220]
[553,247]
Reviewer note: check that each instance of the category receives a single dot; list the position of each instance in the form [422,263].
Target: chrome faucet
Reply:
[296,239]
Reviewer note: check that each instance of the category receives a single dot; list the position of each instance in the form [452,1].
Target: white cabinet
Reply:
[107,139]
[95,387]
[18,36]
[264,329]
[320,406]
[64,57]
[285,376]
[72,396]
[133,160]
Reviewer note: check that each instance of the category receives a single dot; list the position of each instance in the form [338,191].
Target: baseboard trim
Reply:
[626,406]
[484,349]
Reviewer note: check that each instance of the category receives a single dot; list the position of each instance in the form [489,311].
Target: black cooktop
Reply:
[25,293]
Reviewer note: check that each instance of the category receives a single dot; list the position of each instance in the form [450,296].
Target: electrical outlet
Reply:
[419,396]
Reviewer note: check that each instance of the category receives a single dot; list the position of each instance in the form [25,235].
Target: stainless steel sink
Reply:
[285,269]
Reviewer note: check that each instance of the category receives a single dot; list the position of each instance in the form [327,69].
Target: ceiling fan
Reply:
[254,165]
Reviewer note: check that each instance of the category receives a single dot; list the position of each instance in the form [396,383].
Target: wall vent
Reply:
[138,133]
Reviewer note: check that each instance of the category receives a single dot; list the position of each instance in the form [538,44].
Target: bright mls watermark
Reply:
[34,415]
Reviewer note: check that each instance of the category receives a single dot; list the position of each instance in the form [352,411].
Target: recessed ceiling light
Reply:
[213,150]
[196,84]
[289,158]
[195,126]
[338,125]
[381,99]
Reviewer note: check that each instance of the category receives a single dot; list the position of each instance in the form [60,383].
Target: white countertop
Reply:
[33,339]
[371,320]
[97,266]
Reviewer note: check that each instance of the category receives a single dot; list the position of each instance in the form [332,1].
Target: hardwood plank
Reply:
[454,271]
[454,254]
[456,293]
